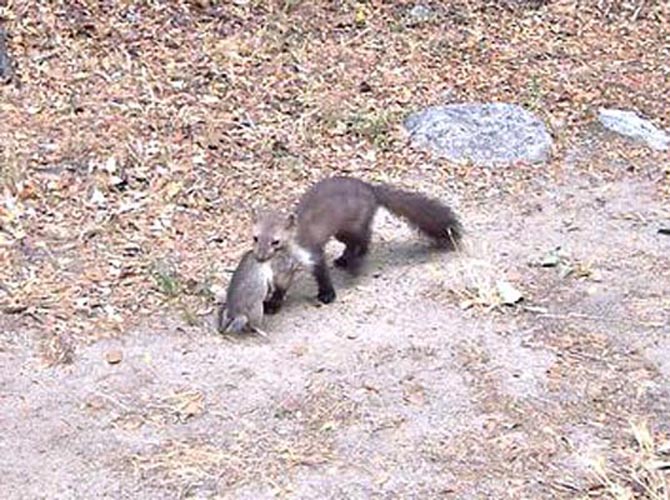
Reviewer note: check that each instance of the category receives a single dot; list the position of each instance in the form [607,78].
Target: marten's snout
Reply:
[262,253]
[266,247]
[262,258]
[260,250]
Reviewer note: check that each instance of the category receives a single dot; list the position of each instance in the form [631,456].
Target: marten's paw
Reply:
[342,262]
[326,296]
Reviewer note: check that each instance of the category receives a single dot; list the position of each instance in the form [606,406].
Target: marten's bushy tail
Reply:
[430,216]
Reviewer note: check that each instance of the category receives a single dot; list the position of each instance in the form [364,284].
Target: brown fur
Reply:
[273,233]
[344,207]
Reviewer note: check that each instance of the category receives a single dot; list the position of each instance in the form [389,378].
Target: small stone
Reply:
[114,356]
[98,198]
[551,259]
[111,165]
[508,293]
[420,14]
[116,181]
[632,125]
[6,66]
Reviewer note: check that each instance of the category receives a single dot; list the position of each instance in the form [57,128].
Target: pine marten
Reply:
[344,207]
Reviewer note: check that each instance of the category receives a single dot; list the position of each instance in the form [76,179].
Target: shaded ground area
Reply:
[392,391]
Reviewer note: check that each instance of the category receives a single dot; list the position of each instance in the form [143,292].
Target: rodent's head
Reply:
[272,232]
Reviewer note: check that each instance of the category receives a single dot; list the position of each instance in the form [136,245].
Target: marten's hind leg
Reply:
[357,245]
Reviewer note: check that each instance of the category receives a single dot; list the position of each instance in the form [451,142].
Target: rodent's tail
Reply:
[430,216]
[222,319]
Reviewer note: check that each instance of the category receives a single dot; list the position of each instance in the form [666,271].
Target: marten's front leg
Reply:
[320,272]
[274,303]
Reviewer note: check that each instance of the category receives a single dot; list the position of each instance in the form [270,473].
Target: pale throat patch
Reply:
[266,271]
[303,256]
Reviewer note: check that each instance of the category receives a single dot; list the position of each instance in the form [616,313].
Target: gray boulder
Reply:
[632,125]
[481,133]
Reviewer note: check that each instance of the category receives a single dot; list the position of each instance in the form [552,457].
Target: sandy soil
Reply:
[394,390]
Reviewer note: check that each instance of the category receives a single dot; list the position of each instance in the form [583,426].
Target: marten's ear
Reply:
[290,221]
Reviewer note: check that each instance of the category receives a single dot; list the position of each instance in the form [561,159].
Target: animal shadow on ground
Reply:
[384,256]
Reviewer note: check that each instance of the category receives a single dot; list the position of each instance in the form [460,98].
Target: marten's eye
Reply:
[275,243]
[255,239]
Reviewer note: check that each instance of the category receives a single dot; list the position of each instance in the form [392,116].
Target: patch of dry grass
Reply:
[473,278]
[245,455]
[646,473]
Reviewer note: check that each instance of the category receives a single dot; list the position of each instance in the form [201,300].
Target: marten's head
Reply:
[272,232]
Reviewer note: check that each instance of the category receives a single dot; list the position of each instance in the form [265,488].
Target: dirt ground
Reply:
[135,137]
[396,390]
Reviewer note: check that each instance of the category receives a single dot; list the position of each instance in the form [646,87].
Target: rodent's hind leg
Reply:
[222,319]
